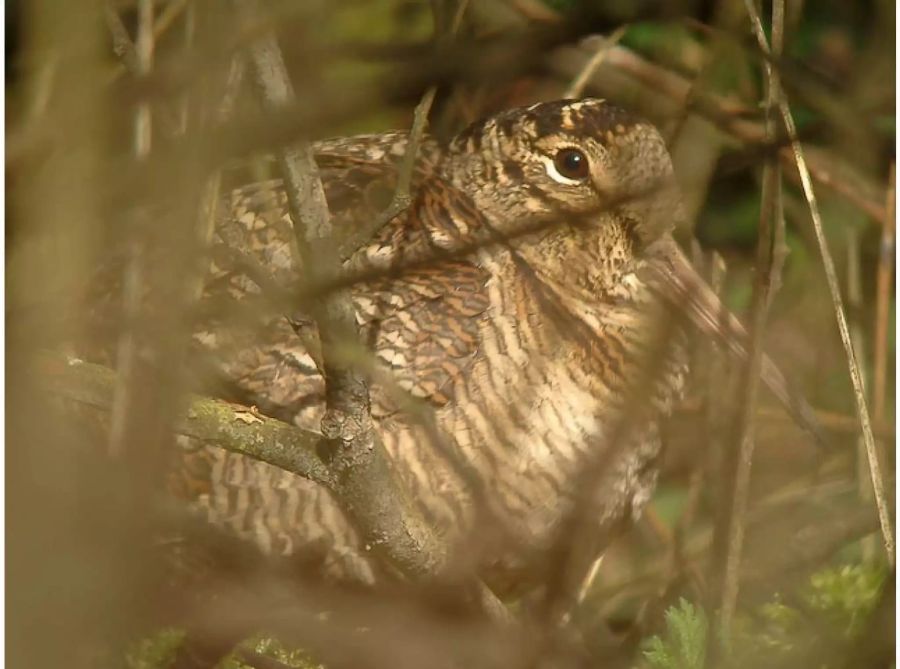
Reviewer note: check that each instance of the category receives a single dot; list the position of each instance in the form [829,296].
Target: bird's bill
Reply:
[705,311]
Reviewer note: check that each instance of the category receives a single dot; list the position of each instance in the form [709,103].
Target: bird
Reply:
[531,301]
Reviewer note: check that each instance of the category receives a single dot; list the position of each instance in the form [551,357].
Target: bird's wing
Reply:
[418,307]
[422,307]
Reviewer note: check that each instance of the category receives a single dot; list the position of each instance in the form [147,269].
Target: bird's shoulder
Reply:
[418,294]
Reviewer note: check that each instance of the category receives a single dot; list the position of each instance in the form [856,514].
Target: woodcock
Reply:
[531,299]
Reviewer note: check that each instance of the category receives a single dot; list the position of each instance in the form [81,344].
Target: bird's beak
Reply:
[677,280]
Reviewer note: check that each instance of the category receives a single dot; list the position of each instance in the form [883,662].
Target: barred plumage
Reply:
[525,333]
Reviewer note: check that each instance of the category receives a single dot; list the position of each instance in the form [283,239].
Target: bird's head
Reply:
[568,160]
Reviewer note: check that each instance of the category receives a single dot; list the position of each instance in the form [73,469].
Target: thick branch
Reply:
[230,426]
[364,479]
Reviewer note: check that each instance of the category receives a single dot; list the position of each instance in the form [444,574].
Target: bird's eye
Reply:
[572,164]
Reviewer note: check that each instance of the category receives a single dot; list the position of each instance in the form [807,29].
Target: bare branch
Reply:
[214,422]
[883,301]
[128,391]
[402,197]
[122,43]
[366,484]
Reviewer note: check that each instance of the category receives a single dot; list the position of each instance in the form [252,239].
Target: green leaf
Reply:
[683,644]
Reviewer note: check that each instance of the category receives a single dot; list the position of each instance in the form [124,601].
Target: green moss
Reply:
[683,644]
[270,647]
[156,651]
[834,605]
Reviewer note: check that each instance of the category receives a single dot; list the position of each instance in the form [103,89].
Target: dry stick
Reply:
[829,420]
[803,551]
[715,386]
[771,216]
[210,199]
[130,60]
[882,310]
[854,300]
[881,501]
[402,197]
[122,45]
[709,461]
[576,88]
[883,302]
[189,32]
[216,422]
[128,353]
[166,18]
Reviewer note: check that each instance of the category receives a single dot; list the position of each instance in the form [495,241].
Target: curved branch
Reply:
[230,426]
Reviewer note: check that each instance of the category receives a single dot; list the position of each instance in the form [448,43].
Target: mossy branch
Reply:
[233,427]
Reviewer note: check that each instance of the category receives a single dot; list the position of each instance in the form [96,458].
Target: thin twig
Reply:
[122,45]
[127,380]
[402,197]
[883,302]
[188,35]
[881,500]
[884,279]
[137,59]
[855,301]
[771,216]
[121,41]
[576,88]
[715,406]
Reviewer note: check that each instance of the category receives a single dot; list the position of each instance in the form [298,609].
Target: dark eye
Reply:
[572,164]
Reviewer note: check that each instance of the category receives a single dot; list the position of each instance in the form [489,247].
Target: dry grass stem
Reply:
[883,301]
[875,470]
[576,88]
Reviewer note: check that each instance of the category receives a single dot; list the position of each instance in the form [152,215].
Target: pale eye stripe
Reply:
[554,174]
